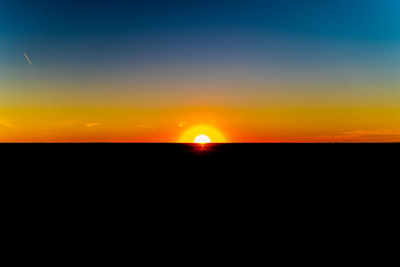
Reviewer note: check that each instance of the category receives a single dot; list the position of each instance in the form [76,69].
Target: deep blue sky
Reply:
[374,20]
[135,36]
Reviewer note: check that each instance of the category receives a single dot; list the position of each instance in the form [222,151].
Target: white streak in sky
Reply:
[28,59]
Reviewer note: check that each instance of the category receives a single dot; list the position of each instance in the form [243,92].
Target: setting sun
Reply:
[202,134]
[202,139]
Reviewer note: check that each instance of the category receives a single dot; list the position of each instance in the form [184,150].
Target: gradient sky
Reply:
[147,71]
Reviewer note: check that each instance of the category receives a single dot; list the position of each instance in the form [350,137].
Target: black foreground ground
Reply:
[95,197]
[215,166]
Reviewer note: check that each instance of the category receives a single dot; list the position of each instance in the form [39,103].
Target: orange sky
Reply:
[44,110]
[277,124]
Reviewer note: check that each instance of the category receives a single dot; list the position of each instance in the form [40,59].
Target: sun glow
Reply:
[202,139]
[202,135]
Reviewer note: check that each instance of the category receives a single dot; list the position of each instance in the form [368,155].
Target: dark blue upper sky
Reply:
[360,19]
[130,34]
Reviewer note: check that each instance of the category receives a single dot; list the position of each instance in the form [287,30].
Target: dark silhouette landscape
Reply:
[213,166]
[284,189]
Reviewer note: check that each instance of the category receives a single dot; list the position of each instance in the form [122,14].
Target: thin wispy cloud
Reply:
[361,136]
[92,124]
[30,63]
[370,133]
[182,124]
[67,123]
[6,124]
[146,126]
[375,135]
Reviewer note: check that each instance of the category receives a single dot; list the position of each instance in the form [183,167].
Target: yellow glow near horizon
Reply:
[277,124]
[202,134]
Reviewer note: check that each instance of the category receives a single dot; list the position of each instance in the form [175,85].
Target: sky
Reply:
[154,70]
